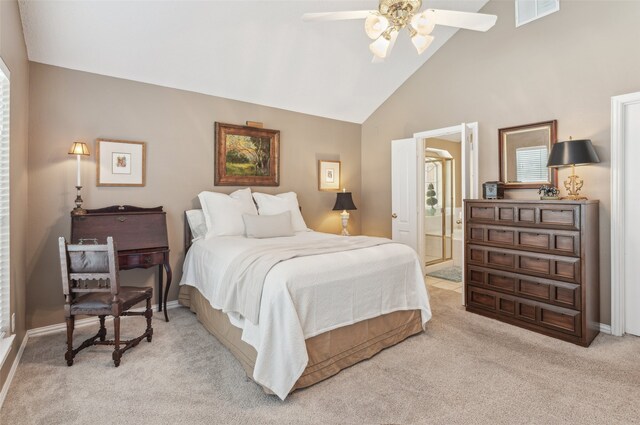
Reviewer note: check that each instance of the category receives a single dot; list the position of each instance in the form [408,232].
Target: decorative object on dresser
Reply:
[329,175]
[535,264]
[139,233]
[573,152]
[344,202]
[246,156]
[548,192]
[91,286]
[121,163]
[79,149]
[492,190]
[522,155]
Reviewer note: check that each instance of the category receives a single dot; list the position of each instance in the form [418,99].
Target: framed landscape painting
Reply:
[120,163]
[246,156]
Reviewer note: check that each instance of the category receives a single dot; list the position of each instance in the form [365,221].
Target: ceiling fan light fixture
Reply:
[375,25]
[421,42]
[380,47]
[424,22]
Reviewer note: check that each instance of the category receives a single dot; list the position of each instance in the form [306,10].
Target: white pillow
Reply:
[223,213]
[276,204]
[268,226]
[197,224]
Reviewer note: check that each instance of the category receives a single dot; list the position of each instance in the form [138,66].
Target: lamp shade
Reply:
[572,152]
[79,148]
[344,201]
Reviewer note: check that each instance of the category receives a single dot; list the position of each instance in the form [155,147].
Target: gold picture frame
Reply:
[246,156]
[329,176]
[121,163]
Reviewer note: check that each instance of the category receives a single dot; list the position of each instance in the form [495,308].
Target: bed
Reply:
[318,313]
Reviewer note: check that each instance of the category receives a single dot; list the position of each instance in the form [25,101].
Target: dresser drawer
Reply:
[561,294]
[561,216]
[560,242]
[522,310]
[143,260]
[543,265]
[129,230]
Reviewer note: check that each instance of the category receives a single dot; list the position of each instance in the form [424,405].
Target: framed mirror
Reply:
[523,155]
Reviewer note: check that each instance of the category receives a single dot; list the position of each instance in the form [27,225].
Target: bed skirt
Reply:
[329,352]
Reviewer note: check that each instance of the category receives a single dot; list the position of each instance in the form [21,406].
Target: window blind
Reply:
[531,164]
[4,202]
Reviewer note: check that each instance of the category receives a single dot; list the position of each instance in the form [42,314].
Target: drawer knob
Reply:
[122,219]
[147,259]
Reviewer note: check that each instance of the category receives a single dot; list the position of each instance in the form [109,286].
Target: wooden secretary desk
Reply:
[140,235]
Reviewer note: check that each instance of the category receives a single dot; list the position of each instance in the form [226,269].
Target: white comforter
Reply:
[306,296]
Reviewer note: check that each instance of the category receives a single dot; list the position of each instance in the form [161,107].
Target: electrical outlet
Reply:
[13,323]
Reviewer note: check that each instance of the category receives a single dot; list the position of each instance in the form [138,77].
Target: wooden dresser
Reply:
[535,264]
[140,235]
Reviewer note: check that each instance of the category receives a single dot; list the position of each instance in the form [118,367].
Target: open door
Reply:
[469,181]
[404,192]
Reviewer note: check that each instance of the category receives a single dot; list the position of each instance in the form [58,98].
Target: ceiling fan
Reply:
[384,24]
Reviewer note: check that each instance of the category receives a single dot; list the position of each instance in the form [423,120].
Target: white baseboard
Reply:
[605,329]
[46,330]
[12,371]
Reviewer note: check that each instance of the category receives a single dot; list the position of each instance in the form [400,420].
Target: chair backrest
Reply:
[81,264]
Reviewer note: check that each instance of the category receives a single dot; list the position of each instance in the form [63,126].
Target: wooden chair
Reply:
[91,286]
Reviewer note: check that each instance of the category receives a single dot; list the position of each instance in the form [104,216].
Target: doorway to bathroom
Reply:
[443,211]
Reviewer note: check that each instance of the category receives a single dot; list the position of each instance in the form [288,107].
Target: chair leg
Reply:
[103,331]
[149,314]
[69,354]
[117,354]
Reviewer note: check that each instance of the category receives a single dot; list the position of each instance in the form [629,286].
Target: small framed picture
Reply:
[329,175]
[120,163]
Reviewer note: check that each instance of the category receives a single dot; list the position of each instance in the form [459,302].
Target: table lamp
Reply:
[344,202]
[79,149]
[573,152]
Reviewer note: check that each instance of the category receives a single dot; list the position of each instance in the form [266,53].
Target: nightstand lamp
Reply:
[79,149]
[573,152]
[344,202]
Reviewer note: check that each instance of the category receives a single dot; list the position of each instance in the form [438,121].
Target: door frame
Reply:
[469,165]
[618,219]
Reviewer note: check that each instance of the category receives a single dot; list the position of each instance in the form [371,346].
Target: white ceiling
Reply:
[254,51]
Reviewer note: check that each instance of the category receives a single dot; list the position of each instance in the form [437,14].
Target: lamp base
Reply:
[573,184]
[574,198]
[344,215]
[78,210]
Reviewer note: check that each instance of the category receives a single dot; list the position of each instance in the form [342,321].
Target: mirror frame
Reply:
[553,126]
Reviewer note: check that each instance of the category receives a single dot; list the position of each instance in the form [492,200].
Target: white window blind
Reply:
[4,202]
[531,164]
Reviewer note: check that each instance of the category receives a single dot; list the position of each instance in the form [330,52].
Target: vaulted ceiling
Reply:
[253,51]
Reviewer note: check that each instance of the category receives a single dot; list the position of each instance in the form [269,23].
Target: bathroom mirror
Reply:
[523,155]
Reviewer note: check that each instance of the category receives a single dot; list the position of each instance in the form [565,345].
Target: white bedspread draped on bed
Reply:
[306,296]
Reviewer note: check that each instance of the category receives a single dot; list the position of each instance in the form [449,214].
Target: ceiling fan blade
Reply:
[466,20]
[336,16]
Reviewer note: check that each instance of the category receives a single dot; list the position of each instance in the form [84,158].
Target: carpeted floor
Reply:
[464,369]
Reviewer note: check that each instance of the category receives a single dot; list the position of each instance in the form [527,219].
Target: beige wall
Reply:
[455,149]
[565,66]
[14,55]
[178,128]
